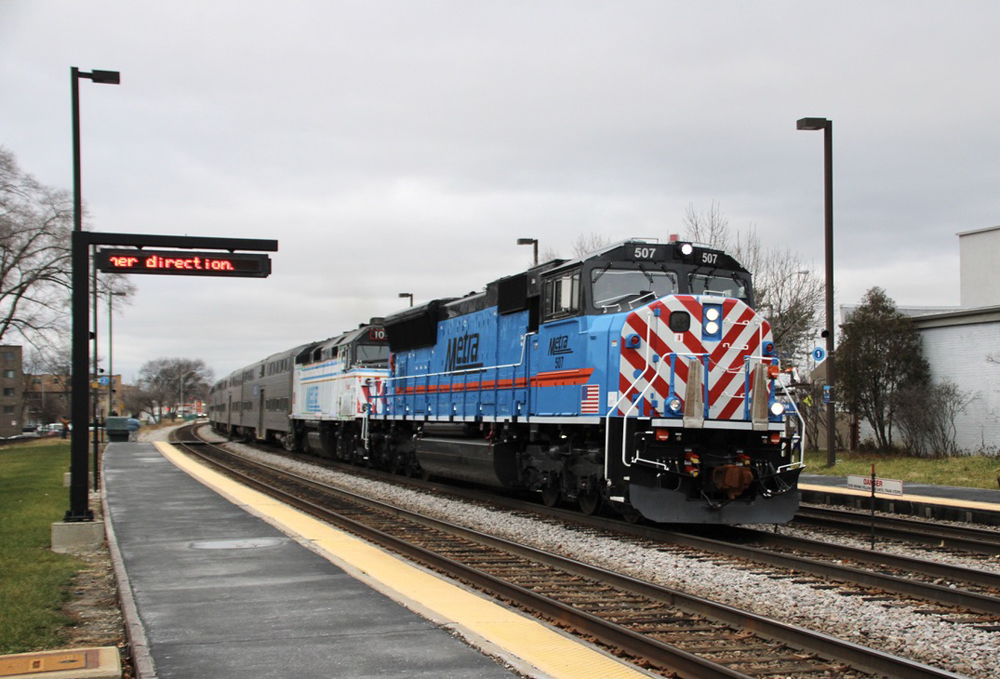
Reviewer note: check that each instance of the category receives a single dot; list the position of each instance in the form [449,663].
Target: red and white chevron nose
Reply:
[664,341]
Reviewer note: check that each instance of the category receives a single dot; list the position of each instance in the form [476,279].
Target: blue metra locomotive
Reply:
[638,377]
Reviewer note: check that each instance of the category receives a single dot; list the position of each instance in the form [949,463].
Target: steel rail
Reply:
[914,531]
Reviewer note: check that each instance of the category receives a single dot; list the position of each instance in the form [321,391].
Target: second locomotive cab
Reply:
[638,377]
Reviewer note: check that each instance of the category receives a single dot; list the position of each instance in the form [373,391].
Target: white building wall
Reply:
[979,252]
[958,353]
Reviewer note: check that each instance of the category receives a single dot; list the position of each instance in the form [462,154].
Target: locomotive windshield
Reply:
[719,285]
[370,354]
[613,287]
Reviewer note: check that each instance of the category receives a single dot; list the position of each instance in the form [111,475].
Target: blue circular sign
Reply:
[818,354]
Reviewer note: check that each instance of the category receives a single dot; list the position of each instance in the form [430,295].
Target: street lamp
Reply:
[79,509]
[111,365]
[407,294]
[530,241]
[105,77]
[827,126]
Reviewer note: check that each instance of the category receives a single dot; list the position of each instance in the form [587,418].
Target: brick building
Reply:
[11,391]
[46,398]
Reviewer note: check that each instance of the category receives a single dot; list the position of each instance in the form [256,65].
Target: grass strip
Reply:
[970,471]
[34,581]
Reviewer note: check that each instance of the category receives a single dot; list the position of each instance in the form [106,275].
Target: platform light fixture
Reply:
[407,294]
[530,241]
[826,125]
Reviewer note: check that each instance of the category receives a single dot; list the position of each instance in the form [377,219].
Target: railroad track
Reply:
[942,536]
[956,594]
[658,626]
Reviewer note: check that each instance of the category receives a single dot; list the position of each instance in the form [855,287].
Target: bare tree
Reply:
[926,417]
[587,243]
[710,227]
[35,227]
[36,224]
[786,290]
[166,381]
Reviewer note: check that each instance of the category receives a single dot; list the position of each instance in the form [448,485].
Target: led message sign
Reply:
[184,263]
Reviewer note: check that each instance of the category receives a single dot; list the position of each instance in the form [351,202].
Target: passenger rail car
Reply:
[638,377]
[254,402]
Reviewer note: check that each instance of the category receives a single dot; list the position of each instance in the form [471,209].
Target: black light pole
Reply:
[79,509]
[407,294]
[831,422]
[530,241]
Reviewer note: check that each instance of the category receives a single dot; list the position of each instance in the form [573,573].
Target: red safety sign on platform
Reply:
[884,486]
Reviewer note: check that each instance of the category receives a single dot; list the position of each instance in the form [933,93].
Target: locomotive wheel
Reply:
[550,496]
[590,501]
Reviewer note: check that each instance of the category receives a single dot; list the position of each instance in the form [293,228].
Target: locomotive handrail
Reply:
[801,430]
[624,396]
[635,402]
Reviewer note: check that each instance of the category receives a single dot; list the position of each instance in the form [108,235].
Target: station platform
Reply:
[220,581]
[951,503]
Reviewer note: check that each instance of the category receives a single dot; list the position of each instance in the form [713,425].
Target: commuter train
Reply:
[637,378]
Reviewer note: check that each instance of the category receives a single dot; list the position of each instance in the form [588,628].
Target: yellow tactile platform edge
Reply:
[506,633]
[926,499]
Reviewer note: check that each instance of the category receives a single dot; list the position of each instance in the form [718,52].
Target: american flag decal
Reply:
[590,400]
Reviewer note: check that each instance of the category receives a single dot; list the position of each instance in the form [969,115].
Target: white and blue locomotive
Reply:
[637,377]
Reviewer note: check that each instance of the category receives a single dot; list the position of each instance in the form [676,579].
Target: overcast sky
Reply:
[404,146]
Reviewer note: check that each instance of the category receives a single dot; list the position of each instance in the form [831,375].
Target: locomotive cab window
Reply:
[612,288]
[719,286]
[561,296]
[373,354]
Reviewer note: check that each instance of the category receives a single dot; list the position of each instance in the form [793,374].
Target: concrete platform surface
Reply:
[977,505]
[217,590]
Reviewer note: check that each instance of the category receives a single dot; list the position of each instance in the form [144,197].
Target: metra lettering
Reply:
[463,352]
[559,345]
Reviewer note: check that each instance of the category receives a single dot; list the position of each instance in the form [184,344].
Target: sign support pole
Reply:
[79,508]
[873,506]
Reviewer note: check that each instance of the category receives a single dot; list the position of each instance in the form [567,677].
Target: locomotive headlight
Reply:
[777,409]
[711,319]
[674,405]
